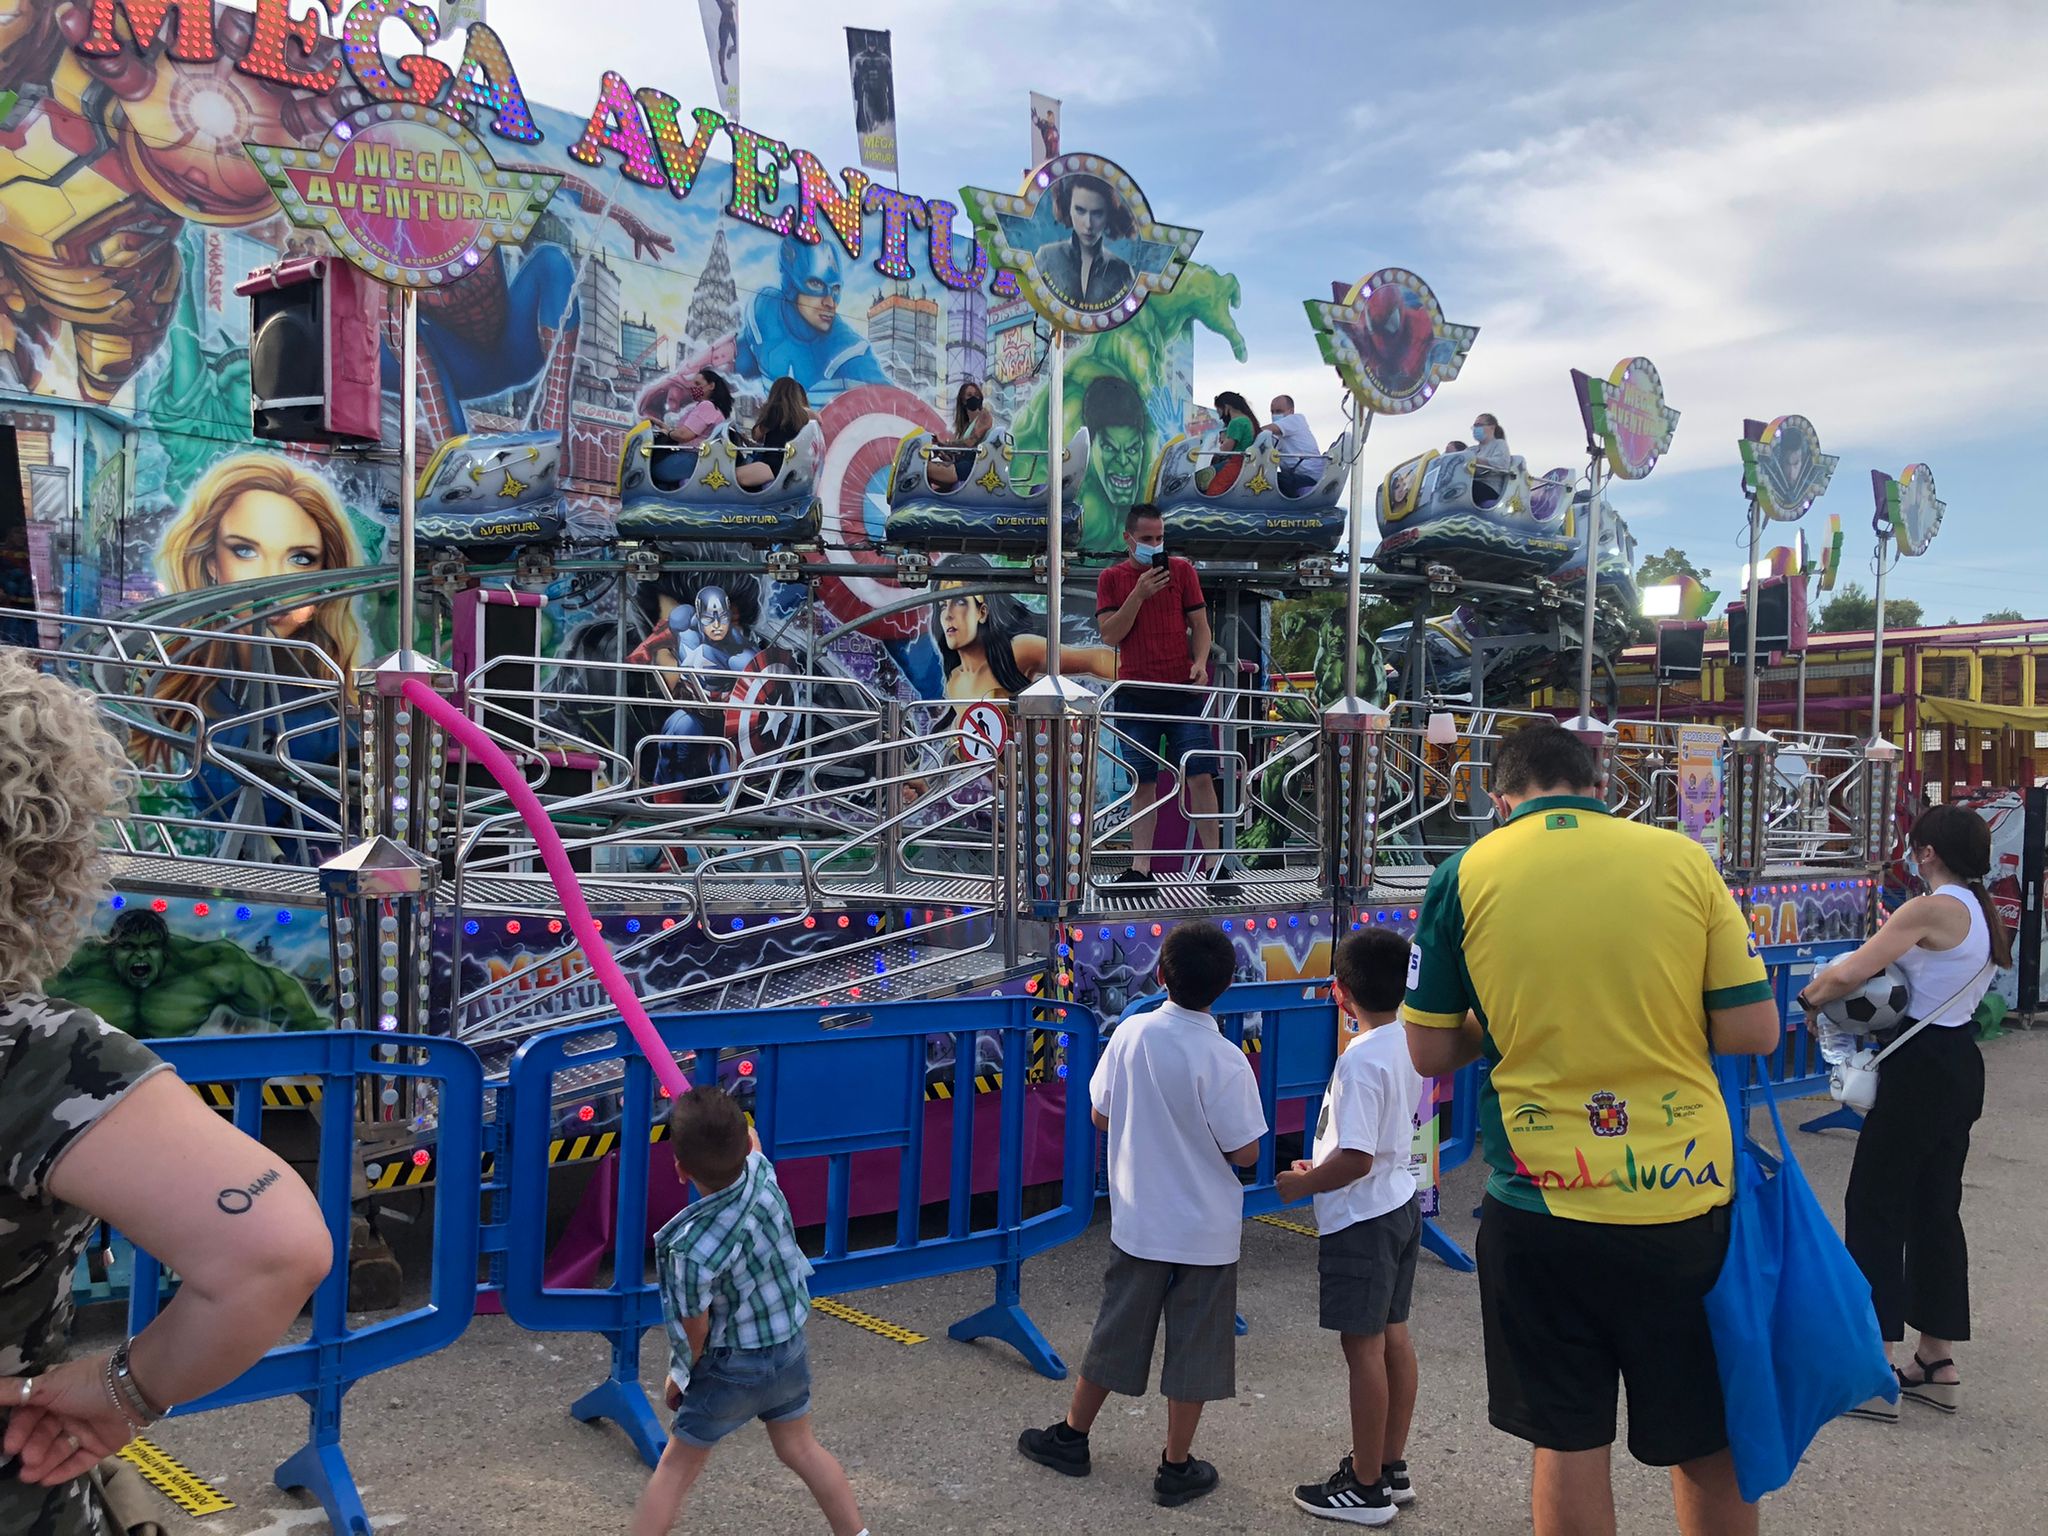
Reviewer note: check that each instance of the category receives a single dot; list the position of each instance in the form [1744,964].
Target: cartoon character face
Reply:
[714,615]
[1119,458]
[265,534]
[813,281]
[138,953]
[960,618]
[1088,209]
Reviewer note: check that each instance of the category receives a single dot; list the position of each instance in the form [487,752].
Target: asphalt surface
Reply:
[478,1438]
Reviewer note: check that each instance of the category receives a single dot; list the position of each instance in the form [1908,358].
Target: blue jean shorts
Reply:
[1182,738]
[729,1387]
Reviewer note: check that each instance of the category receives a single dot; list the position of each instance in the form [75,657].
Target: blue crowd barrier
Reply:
[335,1355]
[827,1083]
[1297,1050]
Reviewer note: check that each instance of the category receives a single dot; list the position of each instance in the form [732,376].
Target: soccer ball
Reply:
[1880,1003]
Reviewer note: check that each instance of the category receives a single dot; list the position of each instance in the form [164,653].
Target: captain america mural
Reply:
[793,331]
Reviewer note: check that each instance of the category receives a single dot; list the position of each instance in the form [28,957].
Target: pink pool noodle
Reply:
[556,857]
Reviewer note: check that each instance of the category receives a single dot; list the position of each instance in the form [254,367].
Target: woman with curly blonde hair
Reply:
[93,1127]
[256,515]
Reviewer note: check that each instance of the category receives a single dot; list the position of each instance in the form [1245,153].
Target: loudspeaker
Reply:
[1774,630]
[313,352]
[1681,647]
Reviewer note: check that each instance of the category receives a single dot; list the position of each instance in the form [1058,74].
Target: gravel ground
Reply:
[478,1437]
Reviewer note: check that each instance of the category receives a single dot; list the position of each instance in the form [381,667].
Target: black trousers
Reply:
[1904,1212]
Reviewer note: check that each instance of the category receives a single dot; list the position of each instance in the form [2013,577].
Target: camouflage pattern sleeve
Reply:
[61,1068]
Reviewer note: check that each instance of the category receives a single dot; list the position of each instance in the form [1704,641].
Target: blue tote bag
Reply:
[1795,1335]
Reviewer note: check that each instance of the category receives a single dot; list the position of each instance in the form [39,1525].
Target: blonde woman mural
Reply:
[254,516]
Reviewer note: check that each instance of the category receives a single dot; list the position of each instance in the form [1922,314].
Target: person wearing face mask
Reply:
[972,422]
[1151,608]
[1302,460]
[1903,1218]
[1491,442]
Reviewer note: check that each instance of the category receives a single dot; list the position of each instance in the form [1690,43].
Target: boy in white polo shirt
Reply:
[1181,1106]
[1370,1226]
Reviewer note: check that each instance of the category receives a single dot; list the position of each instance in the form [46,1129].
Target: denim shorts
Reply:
[1182,738]
[729,1387]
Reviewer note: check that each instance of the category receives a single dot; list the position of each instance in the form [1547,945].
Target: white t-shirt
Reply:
[1370,1107]
[1177,1096]
[1297,436]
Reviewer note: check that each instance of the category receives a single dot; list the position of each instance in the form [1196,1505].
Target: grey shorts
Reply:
[1368,1271]
[1199,1303]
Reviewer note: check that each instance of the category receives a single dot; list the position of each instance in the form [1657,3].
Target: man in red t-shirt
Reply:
[1150,608]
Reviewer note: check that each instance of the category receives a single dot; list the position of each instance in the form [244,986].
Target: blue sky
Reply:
[1822,207]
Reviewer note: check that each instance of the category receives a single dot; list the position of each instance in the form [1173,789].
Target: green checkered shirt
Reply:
[733,1254]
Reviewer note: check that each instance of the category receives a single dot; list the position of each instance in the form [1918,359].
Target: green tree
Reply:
[2004,616]
[1853,609]
[1656,571]
[1669,566]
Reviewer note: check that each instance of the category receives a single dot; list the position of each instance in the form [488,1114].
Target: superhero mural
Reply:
[166,971]
[127,216]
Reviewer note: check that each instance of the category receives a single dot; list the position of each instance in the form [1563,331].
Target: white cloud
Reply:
[1826,209]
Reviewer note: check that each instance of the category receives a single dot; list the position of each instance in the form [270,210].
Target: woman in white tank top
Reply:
[1904,1210]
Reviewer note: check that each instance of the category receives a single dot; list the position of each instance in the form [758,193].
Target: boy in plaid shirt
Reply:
[733,1293]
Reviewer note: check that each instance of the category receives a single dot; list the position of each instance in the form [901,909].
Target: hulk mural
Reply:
[1118,385]
[159,985]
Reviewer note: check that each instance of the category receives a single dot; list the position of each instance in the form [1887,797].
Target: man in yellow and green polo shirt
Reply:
[1597,964]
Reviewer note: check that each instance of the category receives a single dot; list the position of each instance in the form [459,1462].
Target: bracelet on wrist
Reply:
[121,1377]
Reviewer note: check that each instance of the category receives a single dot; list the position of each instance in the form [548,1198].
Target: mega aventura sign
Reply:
[406,193]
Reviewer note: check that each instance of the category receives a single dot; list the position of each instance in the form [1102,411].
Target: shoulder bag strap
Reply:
[1934,1013]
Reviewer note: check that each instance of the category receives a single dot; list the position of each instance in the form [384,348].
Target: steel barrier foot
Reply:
[626,1405]
[322,1471]
[1445,1247]
[1006,1320]
[1840,1118]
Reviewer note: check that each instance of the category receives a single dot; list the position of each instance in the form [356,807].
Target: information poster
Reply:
[1700,804]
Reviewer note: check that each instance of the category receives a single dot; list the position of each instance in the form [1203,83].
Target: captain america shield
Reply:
[862,430]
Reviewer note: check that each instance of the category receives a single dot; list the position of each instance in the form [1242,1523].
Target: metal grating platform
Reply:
[166,875]
[838,977]
[521,895]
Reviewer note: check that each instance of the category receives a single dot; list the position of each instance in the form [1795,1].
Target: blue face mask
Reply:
[1145,554]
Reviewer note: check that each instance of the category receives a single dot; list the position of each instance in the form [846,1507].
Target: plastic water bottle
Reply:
[1835,1043]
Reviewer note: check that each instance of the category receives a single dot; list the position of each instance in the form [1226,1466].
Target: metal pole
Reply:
[1055,453]
[1361,427]
[1749,699]
[1592,585]
[1877,651]
[408,469]
[1799,723]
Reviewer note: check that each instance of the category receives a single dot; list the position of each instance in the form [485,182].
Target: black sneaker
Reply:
[1060,1447]
[1133,876]
[1341,1496]
[1177,1485]
[1395,1475]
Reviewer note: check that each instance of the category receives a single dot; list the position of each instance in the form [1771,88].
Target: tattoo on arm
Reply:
[235,1202]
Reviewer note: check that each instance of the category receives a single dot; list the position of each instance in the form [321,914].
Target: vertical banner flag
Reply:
[722,42]
[874,96]
[1045,130]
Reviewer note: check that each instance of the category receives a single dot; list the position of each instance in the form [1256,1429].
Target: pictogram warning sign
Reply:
[173,1479]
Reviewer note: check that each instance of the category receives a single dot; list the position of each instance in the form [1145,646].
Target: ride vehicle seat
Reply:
[491,491]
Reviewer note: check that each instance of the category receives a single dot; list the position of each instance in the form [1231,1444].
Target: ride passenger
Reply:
[783,419]
[94,1127]
[972,422]
[1302,460]
[695,408]
[1232,439]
